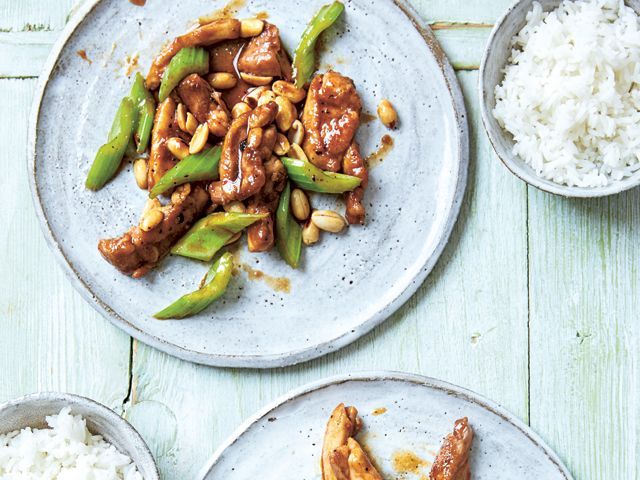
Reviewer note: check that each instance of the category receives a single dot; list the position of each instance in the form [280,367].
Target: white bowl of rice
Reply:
[56,436]
[560,94]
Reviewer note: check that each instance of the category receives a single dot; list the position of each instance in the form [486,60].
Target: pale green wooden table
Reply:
[535,302]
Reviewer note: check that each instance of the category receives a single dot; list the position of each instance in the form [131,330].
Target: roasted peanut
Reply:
[266,97]
[296,133]
[282,145]
[191,124]
[180,193]
[234,239]
[151,219]
[240,109]
[222,80]
[199,139]
[140,172]
[287,113]
[310,233]
[300,205]
[328,220]
[289,91]
[387,114]
[178,148]
[251,27]
[150,204]
[256,80]
[254,95]
[181,117]
[296,152]
[235,207]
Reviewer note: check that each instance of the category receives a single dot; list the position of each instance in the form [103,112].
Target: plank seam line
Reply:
[528,308]
[127,398]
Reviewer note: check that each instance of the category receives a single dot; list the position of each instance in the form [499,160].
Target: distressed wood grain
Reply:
[50,336]
[451,330]
[34,15]
[585,335]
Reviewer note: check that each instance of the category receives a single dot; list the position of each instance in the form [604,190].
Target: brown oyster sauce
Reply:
[83,55]
[138,3]
[376,158]
[405,462]
[278,284]
[229,10]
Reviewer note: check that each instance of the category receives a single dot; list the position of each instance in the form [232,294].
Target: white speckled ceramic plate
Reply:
[284,440]
[347,285]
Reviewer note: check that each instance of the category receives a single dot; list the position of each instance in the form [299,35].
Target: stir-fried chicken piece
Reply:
[246,146]
[137,252]
[360,467]
[354,164]
[343,424]
[264,56]
[160,158]
[209,34]
[452,462]
[205,104]
[331,118]
[260,236]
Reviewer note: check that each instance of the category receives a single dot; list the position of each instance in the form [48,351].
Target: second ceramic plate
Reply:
[347,284]
[405,417]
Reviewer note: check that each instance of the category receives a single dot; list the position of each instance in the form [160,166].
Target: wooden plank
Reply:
[585,336]
[51,339]
[22,54]
[454,328]
[462,11]
[30,15]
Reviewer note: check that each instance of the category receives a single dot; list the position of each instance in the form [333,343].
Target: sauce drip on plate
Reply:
[377,157]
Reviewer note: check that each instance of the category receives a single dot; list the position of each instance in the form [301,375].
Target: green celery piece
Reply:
[145,124]
[146,105]
[201,166]
[288,232]
[304,59]
[211,233]
[217,280]
[309,177]
[109,156]
[187,61]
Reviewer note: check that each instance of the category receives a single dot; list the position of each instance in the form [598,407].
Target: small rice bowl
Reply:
[65,451]
[571,95]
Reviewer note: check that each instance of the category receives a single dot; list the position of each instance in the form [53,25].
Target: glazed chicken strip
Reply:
[205,104]
[160,158]
[263,56]
[452,462]
[209,34]
[354,164]
[260,236]
[246,146]
[138,251]
[343,424]
[360,467]
[331,118]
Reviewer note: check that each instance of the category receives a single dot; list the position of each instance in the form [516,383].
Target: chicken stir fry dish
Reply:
[228,133]
[343,458]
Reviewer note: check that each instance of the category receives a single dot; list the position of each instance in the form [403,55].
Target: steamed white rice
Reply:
[66,451]
[570,95]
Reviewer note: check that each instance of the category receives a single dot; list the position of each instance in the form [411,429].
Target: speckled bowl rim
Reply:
[461,153]
[385,375]
[510,160]
[97,409]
